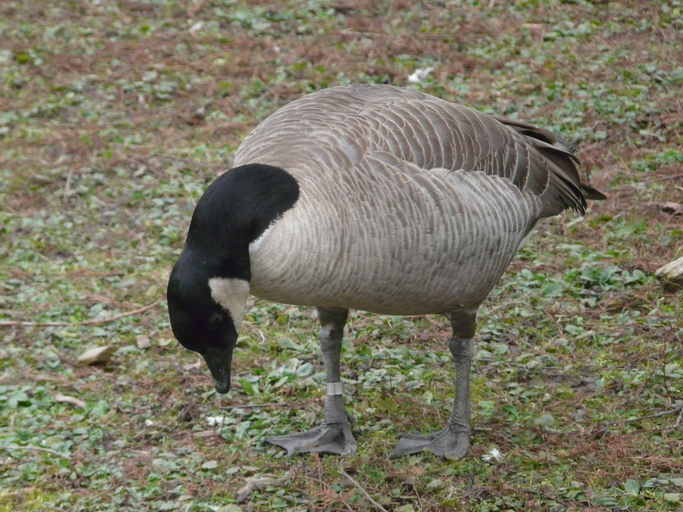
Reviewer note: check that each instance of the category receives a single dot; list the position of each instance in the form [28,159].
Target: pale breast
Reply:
[391,238]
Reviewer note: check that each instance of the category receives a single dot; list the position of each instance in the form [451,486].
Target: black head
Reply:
[199,322]
[209,285]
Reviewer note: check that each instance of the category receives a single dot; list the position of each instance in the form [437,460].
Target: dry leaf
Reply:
[70,400]
[536,29]
[672,208]
[258,482]
[96,355]
[672,271]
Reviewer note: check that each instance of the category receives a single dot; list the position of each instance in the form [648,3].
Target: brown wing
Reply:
[331,130]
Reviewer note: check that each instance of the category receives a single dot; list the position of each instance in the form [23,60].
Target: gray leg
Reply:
[453,441]
[334,435]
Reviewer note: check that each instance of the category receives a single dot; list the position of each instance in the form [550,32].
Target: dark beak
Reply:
[219,361]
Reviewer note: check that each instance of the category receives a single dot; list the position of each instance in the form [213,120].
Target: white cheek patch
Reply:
[254,245]
[231,294]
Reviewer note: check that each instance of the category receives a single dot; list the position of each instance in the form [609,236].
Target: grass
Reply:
[114,116]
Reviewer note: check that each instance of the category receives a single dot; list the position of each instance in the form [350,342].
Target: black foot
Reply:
[444,443]
[328,438]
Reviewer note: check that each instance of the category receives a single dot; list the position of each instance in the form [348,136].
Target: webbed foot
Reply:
[327,438]
[444,443]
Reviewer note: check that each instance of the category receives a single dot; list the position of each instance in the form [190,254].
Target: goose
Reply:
[369,197]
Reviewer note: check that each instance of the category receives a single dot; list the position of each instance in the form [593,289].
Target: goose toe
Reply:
[328,438]
[444,443]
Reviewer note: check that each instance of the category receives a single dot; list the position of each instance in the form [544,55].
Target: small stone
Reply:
[143,341]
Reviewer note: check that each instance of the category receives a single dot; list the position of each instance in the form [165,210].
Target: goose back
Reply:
[332,129]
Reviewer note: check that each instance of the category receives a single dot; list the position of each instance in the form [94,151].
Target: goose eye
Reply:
[215,319]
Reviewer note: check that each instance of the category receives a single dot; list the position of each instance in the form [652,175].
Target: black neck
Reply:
[240,204]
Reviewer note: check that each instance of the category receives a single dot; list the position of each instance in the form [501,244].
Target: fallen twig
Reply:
[98,321]
[34,448]
[653,415]
[67,186]
[421,35]
[604,428]
[257,406]
[298,403]
[365,493]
